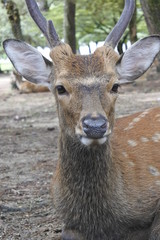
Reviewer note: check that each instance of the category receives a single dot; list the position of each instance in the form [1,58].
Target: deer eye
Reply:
[115,88]
[61,90]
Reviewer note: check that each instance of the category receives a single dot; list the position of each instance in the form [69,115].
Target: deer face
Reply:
[85,88]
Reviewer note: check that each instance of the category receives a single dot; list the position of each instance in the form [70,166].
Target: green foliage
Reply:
[55,14]
[6,66]
[5,28]
[94,20]
[31,32]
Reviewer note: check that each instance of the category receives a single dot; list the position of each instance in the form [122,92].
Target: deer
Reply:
[107,181]
[24,86]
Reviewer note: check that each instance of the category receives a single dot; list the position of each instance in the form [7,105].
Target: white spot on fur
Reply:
[157,182]
[131,164]
[143,114]
[132,143]
[128,128]
[144,139]
[135,120]
[154,171]
[158,116]
[156,137]
[125,154]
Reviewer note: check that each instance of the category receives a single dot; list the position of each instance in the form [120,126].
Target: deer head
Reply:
[85,87]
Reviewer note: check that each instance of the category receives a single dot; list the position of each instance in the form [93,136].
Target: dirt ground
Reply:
[28,155]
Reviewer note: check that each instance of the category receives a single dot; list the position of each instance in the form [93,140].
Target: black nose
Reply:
[94,127]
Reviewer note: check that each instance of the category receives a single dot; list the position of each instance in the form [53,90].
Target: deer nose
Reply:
[94,127]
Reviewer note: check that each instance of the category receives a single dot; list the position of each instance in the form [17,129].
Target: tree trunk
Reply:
[133,27]
[14,19]
[151,10]
[69,23]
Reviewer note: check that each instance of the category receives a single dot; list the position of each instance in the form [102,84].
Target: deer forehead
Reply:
[86,85]
[99,65]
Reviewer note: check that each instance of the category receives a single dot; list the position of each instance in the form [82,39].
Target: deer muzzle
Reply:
[94,128]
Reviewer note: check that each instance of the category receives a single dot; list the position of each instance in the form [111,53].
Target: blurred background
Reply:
[84,24]
[29,123]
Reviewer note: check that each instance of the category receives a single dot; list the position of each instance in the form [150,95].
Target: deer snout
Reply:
[94,127]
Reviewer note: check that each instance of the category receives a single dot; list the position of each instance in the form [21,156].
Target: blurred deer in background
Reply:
[107,182]
[24,86]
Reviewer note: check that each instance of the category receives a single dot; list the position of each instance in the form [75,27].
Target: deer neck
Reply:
[78,161]
[89,181]
[87,171]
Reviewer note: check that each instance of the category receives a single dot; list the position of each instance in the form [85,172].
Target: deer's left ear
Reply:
[138,58]
[28,62]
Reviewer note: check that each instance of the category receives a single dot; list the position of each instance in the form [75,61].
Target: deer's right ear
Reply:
[28,61]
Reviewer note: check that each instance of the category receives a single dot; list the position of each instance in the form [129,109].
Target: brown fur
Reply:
[76,65]
[109,191]
[27,87]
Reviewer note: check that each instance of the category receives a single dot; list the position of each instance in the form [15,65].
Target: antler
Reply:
[47,28]
[116,33]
